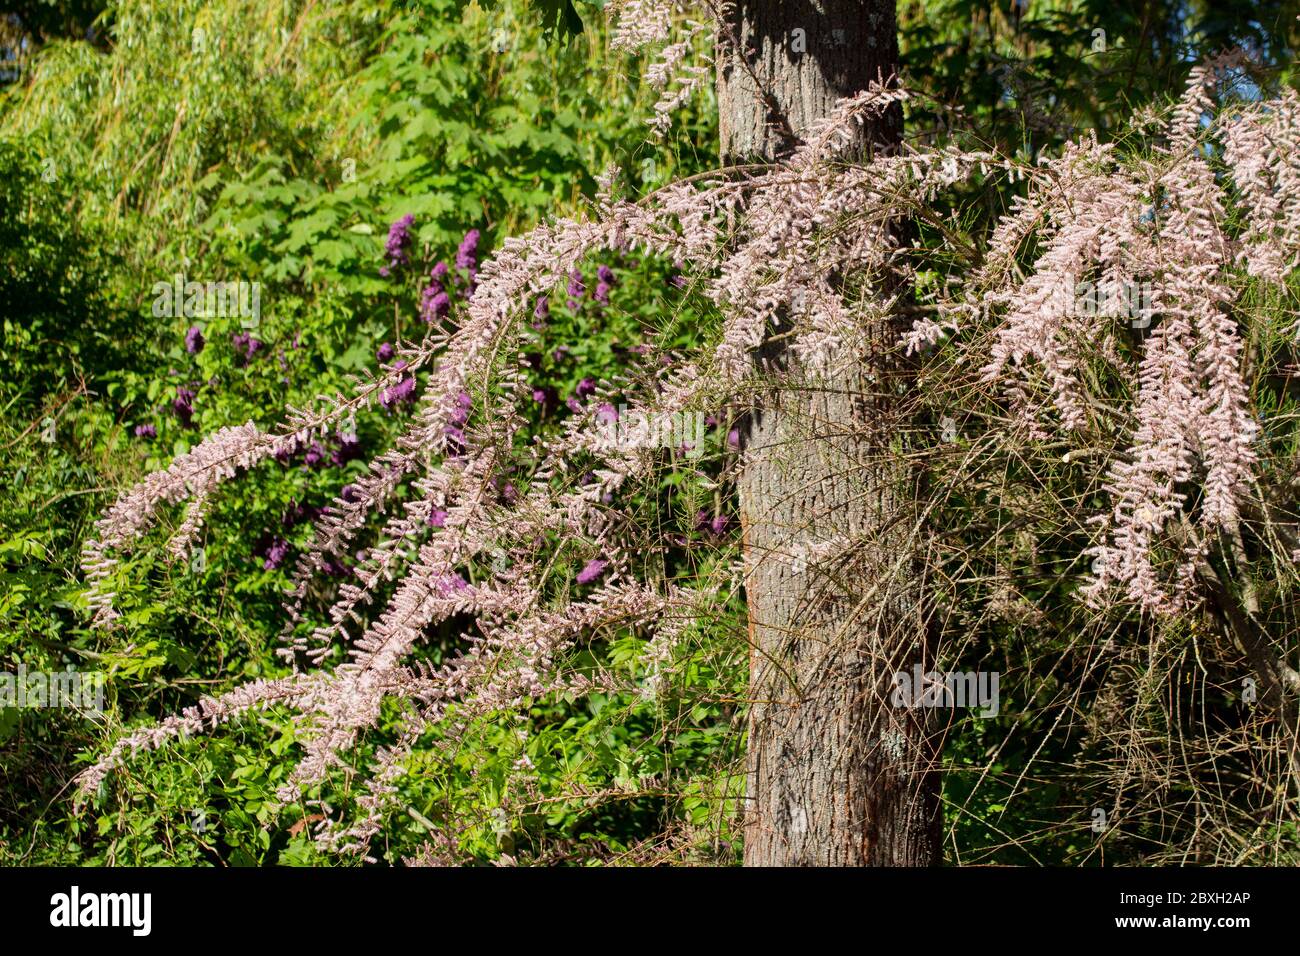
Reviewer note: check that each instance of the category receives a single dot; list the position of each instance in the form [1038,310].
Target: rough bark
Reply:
[837,775]
[774,81]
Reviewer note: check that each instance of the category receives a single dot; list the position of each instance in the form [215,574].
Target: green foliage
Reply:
[231,141]
[1032,75]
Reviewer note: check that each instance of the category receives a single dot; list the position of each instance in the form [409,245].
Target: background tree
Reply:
[837,775]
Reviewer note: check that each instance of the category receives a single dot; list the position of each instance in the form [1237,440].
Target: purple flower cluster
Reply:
[577,289]
[467,254]
[604,283]
[677,278]
[594,569]
[541,312]
[584,390]
[715,526]
[348,449]
[435,301]
[344,447]
[333,568]
[401,393]
[183,404]
[194,340]
[546,397]
[385,352]
[455,429]
[146,431]
[397,246]
[505,490]
[297,513]
[246,344]
[273,554]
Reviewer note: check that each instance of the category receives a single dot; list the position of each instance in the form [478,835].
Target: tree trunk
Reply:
[837,775]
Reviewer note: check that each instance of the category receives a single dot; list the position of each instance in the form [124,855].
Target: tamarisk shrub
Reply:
[1159,222]
[575,552]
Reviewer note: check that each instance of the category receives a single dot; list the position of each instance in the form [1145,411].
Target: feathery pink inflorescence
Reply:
[1158,225]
